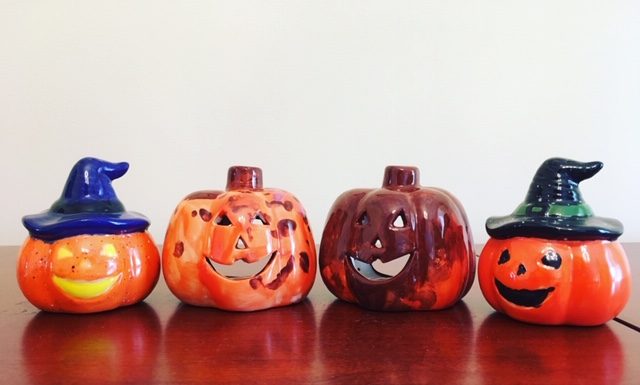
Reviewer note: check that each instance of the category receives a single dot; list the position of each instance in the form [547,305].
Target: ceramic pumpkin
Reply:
[422,230]
[246,248]
[552,261]
[86,253]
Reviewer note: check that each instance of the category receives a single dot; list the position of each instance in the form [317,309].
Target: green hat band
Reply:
[553,209]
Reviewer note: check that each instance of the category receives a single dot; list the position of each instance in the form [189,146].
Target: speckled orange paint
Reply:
[197,232]
[133,258]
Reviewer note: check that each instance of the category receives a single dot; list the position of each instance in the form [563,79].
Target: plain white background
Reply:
[322,95]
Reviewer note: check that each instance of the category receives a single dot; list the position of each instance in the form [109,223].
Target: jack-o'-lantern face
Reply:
[248,248]
[401,247]
[244,242]
[529,280]
[554,281]
[88,273]
[243,236]
[384,238]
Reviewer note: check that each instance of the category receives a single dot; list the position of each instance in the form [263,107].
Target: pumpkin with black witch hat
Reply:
[553,261]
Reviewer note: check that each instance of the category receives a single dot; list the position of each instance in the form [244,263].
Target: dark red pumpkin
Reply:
[426,227]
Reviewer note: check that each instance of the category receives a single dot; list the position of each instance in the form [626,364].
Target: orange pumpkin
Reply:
[86,253]
[555,282]
[553,261]
[88,273]
[211,233]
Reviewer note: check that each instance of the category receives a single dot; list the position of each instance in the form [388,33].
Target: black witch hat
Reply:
[554,208]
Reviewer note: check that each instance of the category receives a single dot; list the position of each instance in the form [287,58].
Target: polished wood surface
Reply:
[321,340]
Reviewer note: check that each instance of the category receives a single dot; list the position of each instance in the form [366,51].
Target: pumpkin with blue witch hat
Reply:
[86,253]
[553,261]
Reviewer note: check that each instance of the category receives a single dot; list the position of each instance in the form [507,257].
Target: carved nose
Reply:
[240,244]
[521,269]
[377,243]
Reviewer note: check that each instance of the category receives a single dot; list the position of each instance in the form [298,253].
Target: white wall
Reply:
[320,94]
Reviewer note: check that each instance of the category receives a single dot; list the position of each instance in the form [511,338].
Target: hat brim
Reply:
[50,227]
[555,227]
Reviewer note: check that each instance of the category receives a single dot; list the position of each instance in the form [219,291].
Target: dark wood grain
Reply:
[321,340]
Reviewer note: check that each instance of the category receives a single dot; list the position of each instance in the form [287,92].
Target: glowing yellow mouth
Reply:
[86,289]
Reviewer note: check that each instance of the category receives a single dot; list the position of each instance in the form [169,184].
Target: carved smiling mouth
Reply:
[378,270]
[523,297]
[241,269]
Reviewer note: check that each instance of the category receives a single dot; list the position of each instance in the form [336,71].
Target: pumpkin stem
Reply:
[401,176]
[244,178]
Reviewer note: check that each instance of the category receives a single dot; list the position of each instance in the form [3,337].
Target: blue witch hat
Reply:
[88,205]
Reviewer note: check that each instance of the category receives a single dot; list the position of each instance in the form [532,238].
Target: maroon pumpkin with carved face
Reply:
[422,231]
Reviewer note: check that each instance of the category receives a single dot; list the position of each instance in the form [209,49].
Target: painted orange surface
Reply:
[88,273]
[215,227]
[588,284]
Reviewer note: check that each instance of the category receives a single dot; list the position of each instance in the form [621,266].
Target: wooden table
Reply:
[321,340]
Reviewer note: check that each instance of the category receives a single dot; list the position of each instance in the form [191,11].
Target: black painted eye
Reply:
[364,219]
[504,257]
[223,220]
[553,259]
[400,221]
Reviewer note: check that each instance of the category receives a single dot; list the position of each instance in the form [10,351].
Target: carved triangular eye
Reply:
[259,220]
[223,220]
[363,219]
[400,221]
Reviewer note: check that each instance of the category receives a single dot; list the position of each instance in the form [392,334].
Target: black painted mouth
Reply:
[523,297]
[240,269]
[378,270]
